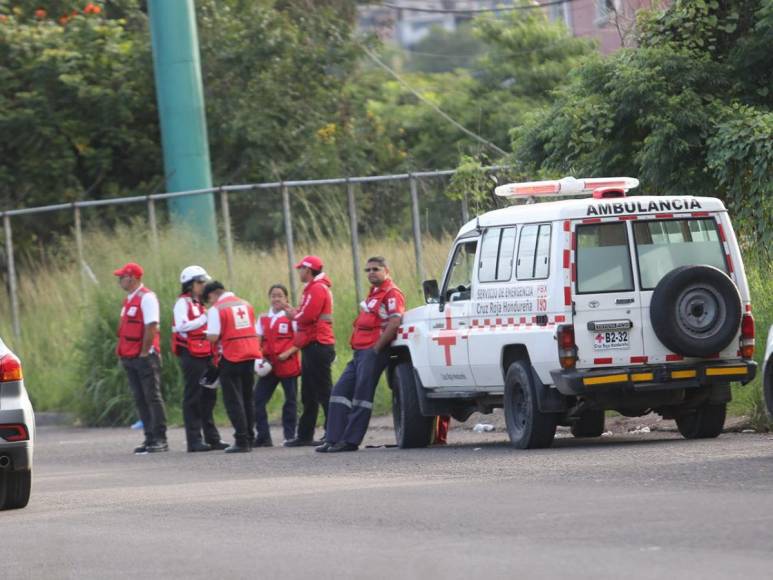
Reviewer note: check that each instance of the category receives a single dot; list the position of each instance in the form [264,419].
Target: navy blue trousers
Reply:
[263,392]
[351,402]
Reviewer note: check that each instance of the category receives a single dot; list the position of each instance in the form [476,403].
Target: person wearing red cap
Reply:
[231,329]
[139,349]
[351,403]
[315,338]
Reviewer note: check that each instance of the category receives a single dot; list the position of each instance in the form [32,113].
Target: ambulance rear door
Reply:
[607,304]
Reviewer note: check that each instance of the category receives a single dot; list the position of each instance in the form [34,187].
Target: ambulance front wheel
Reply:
[527,426]
[412,429]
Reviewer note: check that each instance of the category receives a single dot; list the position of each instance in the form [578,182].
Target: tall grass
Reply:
[68,334]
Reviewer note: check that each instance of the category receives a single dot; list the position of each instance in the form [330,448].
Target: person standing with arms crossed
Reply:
[190,344]
[277,334]
[139,348]
[351,402]
[316,340]
[231,329]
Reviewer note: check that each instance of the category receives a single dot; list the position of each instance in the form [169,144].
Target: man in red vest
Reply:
[190,345]
[231,330]
[315,338]
[351,402]
[139,349]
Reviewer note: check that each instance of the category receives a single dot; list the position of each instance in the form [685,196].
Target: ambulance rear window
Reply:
[663,245]
[603,259]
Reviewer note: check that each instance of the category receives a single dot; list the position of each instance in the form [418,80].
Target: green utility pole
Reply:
[180,98]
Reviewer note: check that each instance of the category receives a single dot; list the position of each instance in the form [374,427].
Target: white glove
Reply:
[262,367]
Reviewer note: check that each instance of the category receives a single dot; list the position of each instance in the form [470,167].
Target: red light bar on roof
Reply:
[566,187]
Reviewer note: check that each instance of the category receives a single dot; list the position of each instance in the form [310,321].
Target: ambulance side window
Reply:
[496,255]
[458,284]
[533,252]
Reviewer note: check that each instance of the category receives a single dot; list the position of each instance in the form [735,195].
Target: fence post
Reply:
[79,248]
[288,221]
[12,286]
[355,239]
[153,224]
[416,220]
[229,242]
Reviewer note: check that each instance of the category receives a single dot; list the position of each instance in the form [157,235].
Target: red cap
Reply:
[130,269]
[313,262]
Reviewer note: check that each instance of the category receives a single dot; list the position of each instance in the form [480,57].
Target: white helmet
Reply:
[193,272]
[262,367]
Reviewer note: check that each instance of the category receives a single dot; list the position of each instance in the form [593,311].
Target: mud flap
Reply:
[549,399]
[720,394]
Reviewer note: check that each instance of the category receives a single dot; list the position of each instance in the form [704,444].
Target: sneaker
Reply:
[198,446]
[301,443]
[158,447]
[324,448]
[262,443]
[238,449]
[341,447]
[219,445]
[143,448]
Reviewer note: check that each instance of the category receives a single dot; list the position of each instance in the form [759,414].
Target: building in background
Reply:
[407,22]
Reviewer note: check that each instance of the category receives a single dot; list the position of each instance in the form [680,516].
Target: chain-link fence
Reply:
[406,206]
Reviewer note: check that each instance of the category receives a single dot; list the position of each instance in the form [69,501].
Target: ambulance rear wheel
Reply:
[706,422]
[412,429]
[589,424]
[527,426]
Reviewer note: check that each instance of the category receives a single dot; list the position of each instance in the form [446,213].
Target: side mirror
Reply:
[431,291]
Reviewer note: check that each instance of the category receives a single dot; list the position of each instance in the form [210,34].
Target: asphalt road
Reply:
[625,506]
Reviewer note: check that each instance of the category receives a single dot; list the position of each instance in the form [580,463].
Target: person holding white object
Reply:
[280,364]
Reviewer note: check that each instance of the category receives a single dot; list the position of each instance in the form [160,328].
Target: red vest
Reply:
[321,329]
[373,316]
[132,327]
[238,340]
[277,338]
[196,342]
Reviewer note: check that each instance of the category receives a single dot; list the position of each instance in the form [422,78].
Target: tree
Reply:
[688,112]
[77,110]
[444,50]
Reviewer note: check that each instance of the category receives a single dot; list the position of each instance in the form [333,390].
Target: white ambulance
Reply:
[561,310]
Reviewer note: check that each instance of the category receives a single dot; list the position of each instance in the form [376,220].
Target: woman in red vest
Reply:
[277,332]
[190,344]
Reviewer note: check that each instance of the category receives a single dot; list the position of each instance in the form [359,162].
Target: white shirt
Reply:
[149,306]
[182,324]
[273,315]
[213,316]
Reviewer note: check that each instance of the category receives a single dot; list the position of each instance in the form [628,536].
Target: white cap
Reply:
[193,272]
[262,367]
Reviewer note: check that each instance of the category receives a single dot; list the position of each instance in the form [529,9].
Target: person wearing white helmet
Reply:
[190,344]
[280,364]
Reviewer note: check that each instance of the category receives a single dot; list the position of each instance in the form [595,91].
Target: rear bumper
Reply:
[20,454]
[646,378]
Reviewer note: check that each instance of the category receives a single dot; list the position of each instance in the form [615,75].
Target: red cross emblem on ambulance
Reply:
[446,338]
